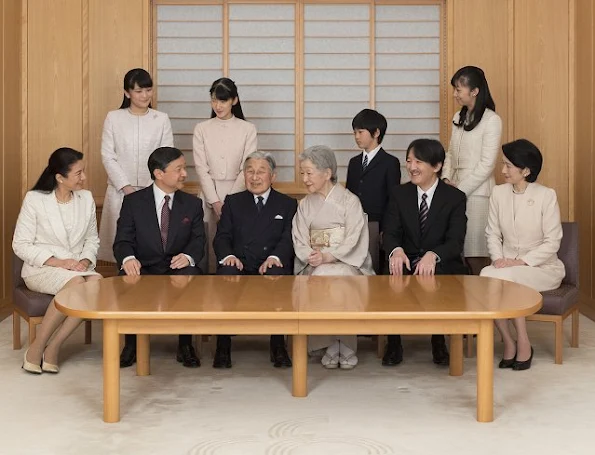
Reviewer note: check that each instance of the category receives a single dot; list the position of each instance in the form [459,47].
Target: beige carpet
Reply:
[415,408]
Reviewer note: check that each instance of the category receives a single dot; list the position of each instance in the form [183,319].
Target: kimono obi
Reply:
[324,238]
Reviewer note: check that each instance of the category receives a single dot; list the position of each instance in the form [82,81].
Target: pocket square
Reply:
[186,220]
[278,217]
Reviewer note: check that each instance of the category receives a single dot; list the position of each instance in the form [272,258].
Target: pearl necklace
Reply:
[64,202]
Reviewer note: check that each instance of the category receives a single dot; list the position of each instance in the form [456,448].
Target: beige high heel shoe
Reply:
[49,367]
[30,367]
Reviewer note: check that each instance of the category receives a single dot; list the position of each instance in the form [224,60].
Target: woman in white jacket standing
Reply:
[56,237]
[471,157]
[130,135]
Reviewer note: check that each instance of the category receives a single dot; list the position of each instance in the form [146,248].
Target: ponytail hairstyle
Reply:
[473,78]
[60,162]
[225,89]
[137,76]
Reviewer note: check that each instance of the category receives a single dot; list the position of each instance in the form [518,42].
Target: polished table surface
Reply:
[299,306]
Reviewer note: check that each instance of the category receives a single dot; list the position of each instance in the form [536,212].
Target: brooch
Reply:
[530,202]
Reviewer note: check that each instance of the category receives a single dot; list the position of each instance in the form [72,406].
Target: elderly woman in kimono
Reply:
[330,237]
[523,234]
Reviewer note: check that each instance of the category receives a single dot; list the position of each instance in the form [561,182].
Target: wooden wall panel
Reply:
[54,80]
[481,37]
[585,142]
[116,31]
[542,88]
[10,134]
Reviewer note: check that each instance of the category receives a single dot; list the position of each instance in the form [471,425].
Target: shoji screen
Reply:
[407,78]
[189,59]
[304,69]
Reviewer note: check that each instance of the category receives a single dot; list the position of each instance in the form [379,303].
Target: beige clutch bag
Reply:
[325,238]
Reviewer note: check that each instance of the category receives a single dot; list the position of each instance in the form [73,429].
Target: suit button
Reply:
[265,248]
[361,181]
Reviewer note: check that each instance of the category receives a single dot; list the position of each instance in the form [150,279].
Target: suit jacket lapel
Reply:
[411,212]
[438,202]
[152,222]
[53,214]
[80,216]
[375,161]
[175,219]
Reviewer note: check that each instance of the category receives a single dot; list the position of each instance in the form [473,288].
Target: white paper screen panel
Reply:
[338,54]
[189,59]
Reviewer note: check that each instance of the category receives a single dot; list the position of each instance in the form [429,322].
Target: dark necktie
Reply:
[260,204]
[164,221]
[423,213]
[365,163]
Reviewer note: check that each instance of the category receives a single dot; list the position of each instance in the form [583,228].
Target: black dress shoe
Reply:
[222,357]
[507,363]
[280,357]
[393,355]
[128,356]
[187,356]
[440,354]
[524,365]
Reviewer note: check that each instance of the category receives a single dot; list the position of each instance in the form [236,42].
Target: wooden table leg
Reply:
[300,366]
[111,371]
[485,371]
[456,355]
[143,365]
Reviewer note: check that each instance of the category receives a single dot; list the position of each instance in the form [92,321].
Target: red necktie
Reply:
[164,221]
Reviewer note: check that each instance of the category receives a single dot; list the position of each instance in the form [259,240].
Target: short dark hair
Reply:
[161,158]
[59,162]
[136,76]
[429,151]
[524,154]
[371,120]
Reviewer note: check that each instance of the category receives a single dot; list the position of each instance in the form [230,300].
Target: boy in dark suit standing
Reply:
[161,232]
[254,238]
[372,174]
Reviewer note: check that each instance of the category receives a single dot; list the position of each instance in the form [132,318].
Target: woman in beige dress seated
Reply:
[523,234]
[330,237]
[56,237]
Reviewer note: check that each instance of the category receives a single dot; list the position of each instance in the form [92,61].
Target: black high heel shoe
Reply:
[524,365]
[507,363]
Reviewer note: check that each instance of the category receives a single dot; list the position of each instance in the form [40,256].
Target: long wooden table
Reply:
[298,306]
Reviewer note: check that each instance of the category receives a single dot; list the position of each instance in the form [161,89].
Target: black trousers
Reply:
[276,340]
[183,340]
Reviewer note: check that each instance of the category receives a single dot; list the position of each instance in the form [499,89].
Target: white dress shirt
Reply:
[371,154]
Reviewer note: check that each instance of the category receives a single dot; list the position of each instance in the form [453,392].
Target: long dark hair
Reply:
[225,89]
[60,162]
[137,76]
[473,78]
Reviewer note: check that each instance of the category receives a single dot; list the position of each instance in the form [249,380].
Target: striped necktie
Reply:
[365,163]
[423,213]
[164,221]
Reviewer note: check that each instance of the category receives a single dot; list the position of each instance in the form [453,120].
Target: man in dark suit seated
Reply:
[161,232]
[254,238]
[424,231]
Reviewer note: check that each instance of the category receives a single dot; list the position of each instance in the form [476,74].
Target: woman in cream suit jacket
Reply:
[523,235]
[56,237]
[130,135]
[471,157]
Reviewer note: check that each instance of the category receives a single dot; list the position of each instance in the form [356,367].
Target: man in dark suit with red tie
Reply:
[424,231]
[254,238]
[161,232]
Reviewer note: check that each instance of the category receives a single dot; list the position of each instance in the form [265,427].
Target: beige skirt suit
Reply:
[525,226]
[469,164]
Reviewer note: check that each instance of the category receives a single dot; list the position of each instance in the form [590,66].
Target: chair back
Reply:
[17,265]
[374,246]
[568,252]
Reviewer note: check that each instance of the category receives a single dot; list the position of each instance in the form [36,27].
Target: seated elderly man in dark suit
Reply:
[254,237]
[161,232]
[424,231]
